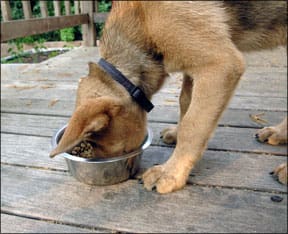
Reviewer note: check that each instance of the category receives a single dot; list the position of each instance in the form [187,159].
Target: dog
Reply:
[146,40]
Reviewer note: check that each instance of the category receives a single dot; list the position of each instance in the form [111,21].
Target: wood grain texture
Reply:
[229,190]
[16,224]
[57,8]
[230,169]
[77,6]
[68,92]
[128,207]
[43,9]
[36,26]
[67,7]
[231,117]
[88,29]
[228,139]
[27,9]
[6,11]
[225,138]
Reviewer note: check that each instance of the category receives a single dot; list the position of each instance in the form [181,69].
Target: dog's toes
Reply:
[151,176]
[280,173]
[161,180]
[271,135]
[263,134]
[169,135]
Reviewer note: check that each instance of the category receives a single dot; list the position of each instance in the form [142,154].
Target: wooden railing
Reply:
[86,14]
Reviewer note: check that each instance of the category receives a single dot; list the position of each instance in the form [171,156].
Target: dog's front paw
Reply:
[280,173]
[169,135]
[271,135]
[163,180]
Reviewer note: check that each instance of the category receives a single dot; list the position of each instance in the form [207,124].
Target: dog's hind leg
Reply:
[213,86]
[169,135]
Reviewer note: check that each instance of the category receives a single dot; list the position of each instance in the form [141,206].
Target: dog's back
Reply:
[252,25]
[257,24]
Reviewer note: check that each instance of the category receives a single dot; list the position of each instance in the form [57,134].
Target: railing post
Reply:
[27,9]
[67,7]
[43,9]
[88,30]
[6,10]
[57,7]
[76,7]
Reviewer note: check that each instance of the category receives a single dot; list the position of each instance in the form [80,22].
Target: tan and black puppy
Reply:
[145,41]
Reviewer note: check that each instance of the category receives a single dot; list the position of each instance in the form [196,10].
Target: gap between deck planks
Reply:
[128,207]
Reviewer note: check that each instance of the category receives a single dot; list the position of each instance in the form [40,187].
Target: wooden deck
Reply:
[228,191]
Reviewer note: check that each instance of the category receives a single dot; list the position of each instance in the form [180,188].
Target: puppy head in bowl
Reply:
[113,126]
[103,122]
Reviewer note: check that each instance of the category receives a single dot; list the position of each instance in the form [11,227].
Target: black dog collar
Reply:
[135,92]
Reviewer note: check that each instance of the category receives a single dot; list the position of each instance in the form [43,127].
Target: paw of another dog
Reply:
[169,135]
[271,135]
[280,173]
[162,180]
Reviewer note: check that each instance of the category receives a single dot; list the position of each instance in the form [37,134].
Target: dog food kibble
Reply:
[84,150]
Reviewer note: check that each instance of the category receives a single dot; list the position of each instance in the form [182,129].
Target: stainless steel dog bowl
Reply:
[103,171]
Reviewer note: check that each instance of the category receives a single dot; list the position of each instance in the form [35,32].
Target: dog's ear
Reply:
[93,116]
[99,123]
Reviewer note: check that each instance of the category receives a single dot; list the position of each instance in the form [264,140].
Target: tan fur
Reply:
[146,40]
[281,173]
[274,135]
[103,118]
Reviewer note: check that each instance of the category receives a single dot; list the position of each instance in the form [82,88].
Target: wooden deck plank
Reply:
[225,138]
[229,190]
[8,101]
[262,82]
[64,91]
[228,169]
[253,83]
[231,117]
[16,224]
[128,207]
[230,139]
[216,168]
[237,102]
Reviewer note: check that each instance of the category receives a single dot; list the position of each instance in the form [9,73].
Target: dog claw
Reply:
[256,136]
[140,181]
[154,189]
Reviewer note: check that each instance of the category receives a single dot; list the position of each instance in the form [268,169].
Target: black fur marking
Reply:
[253,15]
[244,12]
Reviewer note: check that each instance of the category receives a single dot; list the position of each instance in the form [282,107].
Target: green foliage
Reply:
[67,34]
[104,6]
[16,52]
[16,9]
[53,54]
